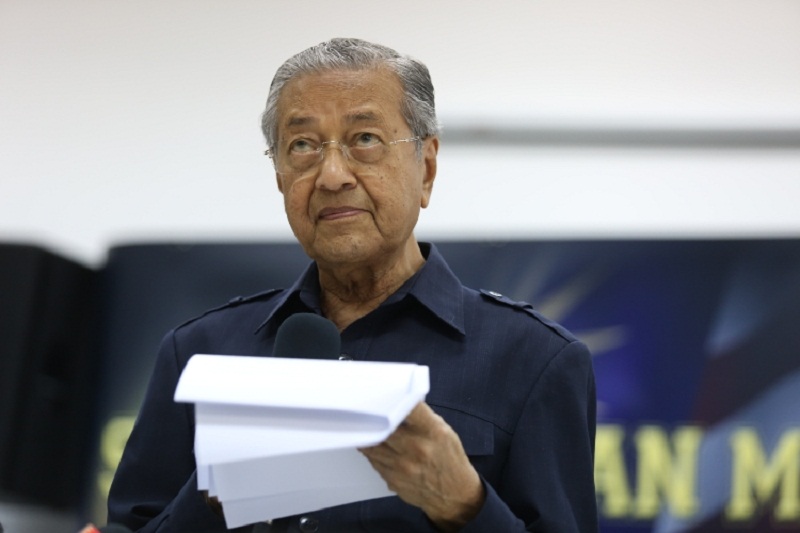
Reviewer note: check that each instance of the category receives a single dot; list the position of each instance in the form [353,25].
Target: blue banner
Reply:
[696,350]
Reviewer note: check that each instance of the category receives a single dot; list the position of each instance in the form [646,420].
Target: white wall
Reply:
[133,120]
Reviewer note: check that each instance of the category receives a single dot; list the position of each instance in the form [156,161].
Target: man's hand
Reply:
[424,462]
[213,502]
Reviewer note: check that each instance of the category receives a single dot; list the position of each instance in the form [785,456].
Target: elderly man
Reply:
[505,439]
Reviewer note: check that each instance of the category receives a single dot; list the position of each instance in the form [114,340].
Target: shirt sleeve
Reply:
[548,478]
[155,485]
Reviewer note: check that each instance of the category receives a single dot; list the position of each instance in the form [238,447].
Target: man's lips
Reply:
[334,213]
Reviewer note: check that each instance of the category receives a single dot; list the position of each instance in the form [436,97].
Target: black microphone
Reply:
[308,336]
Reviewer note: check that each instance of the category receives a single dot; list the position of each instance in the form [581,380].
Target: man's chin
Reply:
[343,250]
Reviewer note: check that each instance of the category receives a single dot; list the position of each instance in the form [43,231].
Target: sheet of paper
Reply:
[272,430]
[294,383]
[251,510]
[271,476]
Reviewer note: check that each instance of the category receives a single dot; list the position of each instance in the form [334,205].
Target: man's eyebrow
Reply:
[351,118]
[300,121]
[363,116]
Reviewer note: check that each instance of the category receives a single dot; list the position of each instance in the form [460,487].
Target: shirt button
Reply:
[345,357]
[309,524]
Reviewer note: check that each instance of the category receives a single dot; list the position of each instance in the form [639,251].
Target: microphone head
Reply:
[308,336]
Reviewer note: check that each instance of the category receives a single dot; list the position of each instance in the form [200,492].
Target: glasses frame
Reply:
[320,150]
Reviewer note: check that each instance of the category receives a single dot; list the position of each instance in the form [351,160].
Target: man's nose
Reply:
[334,168]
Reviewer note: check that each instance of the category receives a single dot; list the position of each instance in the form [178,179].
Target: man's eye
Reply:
[366,139]
[301,146]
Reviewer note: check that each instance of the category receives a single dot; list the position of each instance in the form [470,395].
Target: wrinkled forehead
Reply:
[372,95]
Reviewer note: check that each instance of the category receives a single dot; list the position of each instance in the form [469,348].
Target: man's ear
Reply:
[430,149]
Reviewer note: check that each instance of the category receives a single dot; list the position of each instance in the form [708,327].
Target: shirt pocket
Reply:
[393,515]
[476,434]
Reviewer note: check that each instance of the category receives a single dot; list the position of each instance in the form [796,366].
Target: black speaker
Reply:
[47,374]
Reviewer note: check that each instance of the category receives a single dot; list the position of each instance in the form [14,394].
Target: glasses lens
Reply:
[368,154]
[303,156]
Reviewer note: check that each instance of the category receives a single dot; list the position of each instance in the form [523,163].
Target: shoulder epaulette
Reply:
[496,296]
[528,308]
[233,302]
[238,300]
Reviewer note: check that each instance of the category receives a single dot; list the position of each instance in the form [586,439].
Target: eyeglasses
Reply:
[302,155]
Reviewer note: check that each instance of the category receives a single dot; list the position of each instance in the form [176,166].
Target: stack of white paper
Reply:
[276,437]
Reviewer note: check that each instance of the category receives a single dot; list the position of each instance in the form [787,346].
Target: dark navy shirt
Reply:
[517,388]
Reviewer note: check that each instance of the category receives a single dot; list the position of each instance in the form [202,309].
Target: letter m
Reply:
[755,480]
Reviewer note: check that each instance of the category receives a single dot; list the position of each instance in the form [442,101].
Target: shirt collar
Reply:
[305,290]
[437,288]
[433,286]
